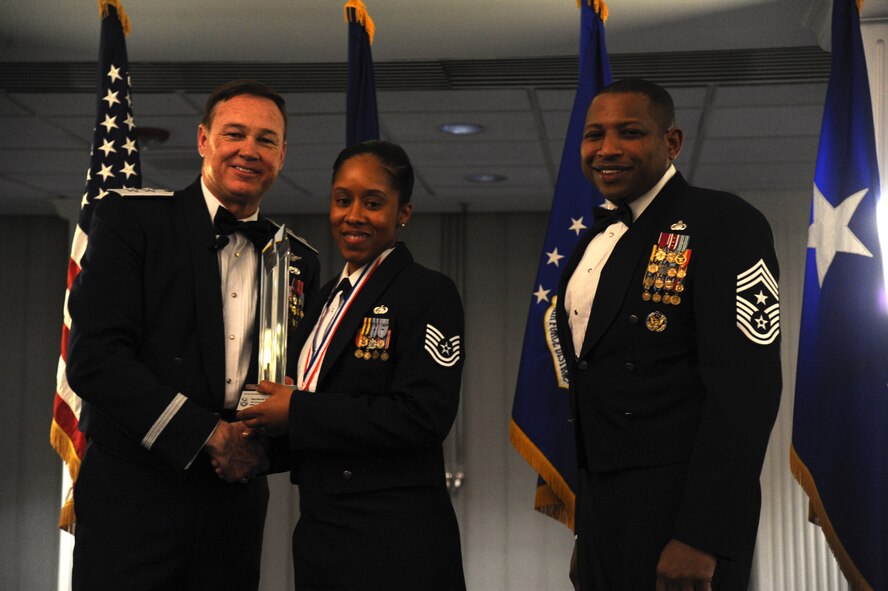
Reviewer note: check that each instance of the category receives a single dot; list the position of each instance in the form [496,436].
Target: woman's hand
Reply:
[272,416]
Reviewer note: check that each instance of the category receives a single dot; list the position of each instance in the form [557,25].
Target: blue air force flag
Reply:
[361,117]
[539,429]
[840,422]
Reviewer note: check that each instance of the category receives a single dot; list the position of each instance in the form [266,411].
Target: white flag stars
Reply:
[554,257]
[109,123]
[829,233]
[577,225]
[542,295]
[130,146]
[129,169]
[107,147]
[105,172]
[114,156]
[114,74]
[111,98]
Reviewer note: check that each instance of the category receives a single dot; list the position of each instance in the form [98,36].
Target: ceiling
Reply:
[746,76]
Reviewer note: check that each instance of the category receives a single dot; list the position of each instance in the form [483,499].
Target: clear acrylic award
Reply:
[274,293]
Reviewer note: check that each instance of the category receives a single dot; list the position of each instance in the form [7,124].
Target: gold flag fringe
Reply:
[63,446]
[556,499]
[817,515]
[600,8]
[121,13]
[361,16]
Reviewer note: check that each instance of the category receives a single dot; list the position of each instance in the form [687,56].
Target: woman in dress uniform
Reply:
[377,388]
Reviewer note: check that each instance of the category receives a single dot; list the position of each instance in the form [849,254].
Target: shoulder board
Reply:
[301,241]
[147,192]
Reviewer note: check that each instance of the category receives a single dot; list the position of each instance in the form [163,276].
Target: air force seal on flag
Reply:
[444,351]
[758,304]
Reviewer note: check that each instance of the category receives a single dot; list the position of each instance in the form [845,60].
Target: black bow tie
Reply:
[605,217]
[225,223]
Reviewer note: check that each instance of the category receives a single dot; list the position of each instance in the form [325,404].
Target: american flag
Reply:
[114,163]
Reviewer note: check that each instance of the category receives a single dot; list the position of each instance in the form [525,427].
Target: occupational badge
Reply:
[444,351]
[758,304]
[678,226]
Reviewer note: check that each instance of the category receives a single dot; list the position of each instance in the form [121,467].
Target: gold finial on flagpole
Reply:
[121,13]
[361,16]
[600,8]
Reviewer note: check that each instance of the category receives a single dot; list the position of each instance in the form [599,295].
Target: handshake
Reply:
[239,451]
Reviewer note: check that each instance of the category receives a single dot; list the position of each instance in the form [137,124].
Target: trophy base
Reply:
[250,398]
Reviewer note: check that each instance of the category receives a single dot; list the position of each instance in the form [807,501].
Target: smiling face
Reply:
[243,151]
[364,210]
[625,148]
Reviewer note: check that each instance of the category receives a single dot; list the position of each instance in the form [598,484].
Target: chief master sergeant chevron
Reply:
[162,343]
[668,314]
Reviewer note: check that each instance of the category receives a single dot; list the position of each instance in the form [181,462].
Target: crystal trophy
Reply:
[274,291]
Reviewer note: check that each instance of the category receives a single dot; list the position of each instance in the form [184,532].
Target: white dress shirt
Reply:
[307,379]
[239,273]
[583,284]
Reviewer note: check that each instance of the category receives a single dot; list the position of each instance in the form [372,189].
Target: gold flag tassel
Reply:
[121,13]
[818,516]
[600,8]
[360,15]
[63,446]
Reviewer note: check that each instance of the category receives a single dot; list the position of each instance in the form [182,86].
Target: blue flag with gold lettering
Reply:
[539,429]
[840,424]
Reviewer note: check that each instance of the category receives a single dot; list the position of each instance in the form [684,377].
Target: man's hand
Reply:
[271,417]
[684,568]
[235,458]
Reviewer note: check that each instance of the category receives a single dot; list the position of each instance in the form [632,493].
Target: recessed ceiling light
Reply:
[461,128]
[485,177]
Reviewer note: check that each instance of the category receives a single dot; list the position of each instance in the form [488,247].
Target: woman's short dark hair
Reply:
[235,88]
[393,159]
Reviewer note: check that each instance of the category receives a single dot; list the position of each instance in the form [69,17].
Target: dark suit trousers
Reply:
[140,527]
[624,520]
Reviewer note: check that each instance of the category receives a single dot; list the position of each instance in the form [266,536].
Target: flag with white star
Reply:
[840,420]
[113,164]
[539,428]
